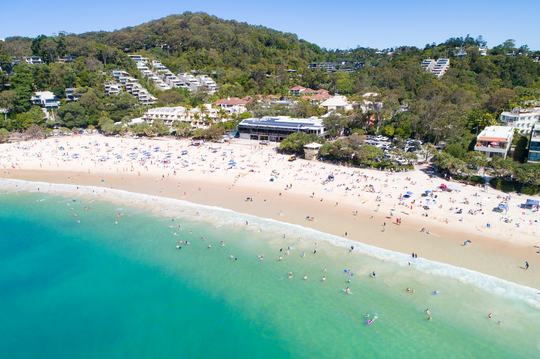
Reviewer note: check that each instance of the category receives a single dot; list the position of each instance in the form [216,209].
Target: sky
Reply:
[334,25]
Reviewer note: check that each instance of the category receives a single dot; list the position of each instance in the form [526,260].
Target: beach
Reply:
[237,176]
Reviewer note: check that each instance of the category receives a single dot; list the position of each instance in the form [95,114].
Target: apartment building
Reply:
[438,68]
[495,141]
[206,82]
[278,128]
[179,113]
[534,144]
[190,80]
[46,100]
[112,88]
[522,119]
[72,95]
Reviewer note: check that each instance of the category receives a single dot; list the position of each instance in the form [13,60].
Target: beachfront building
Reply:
[194,116]
[522,119]
[46,100]
[534,145]
[495,141]
[277,128]
[311,150]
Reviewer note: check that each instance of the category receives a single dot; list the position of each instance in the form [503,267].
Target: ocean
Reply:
[110,283]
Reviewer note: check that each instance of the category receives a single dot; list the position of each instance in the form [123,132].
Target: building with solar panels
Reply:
[277,128]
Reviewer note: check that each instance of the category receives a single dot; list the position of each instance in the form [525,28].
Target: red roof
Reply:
[297,88]
[321,91]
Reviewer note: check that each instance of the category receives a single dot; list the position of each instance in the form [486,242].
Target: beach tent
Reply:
[532,202]
[409,193]
[502,206]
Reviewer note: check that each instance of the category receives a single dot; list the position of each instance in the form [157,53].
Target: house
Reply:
[117,74]
[66,60]
[296,90]
[483,50]
[233,105]
[46,100]
[277,128]
[336,103]
[34,60]
[522,119]
[534,145]
[495,141]
[72,95]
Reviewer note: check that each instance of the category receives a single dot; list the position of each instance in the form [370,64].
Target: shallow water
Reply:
[98,289]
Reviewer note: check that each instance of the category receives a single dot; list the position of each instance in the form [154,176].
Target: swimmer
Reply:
[428,318]
[489,315]
[413,291]
[303,254]
[499,323]
[435,292]
[290,275]
[324,270]
[305,276]
[287,252]
[366,315]
[373,274]
[231,256]
[408,290]
[427,311]
[209,247]
[348,290]
[235,259]
[279,258]
[323,278]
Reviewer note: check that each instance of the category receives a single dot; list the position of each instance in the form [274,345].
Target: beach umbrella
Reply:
[428,191]
[409,193]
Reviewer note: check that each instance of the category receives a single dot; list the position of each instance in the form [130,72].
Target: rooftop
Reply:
[496,132]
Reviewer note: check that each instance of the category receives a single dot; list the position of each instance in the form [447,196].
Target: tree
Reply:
[214,132]
[73,115]
[171,97]
[198,133]
[7,100]
[35,131]
[335,124]
[295,142]
[528,173]
[182,128]
[160,127]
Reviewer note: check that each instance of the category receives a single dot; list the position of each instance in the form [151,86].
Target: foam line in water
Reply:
[222,216]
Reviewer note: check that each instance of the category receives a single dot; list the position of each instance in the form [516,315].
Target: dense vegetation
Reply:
[249,60]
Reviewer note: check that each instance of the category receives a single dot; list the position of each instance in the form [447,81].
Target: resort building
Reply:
[66,60]
[46,100]
[112,88]
[522,119]
[495,141]
[194,116]
[534,144]
[278,128]
[206,82]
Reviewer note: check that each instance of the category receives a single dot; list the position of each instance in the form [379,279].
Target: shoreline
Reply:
[496,252]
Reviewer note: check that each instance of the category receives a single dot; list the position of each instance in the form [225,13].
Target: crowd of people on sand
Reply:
[416,194]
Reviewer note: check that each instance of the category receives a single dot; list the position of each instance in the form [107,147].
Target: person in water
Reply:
[348,290]
[305,276]
[323,278]
[290,275]
[489,315]
[373,274]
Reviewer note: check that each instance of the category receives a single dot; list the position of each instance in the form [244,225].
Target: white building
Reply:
[207,83]
[336,103]
[278,128]
[495,141]
[438,68]
[190,80]
[179,113]
[428,64]
[522,119]
[33,60]
[45,99]
[534,144]
[112,88]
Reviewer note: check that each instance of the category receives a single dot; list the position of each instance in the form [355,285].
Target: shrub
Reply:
[477,180]
[530,190]
[502,185]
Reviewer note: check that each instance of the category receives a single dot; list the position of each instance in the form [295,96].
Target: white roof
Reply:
[313,145]
[336,101]
[501,132]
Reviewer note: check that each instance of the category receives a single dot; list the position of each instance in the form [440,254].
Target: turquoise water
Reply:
[97,289]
